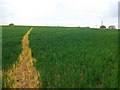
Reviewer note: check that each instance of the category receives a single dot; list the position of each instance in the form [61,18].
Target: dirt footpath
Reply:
[24,73]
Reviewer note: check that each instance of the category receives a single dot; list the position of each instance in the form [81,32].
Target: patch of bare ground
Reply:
[24,73]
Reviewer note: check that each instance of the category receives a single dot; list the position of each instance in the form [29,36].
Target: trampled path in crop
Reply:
[24,73]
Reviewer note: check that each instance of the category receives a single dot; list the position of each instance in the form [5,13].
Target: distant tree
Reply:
[87,27]
[11,24]
[112,27]
[103,27]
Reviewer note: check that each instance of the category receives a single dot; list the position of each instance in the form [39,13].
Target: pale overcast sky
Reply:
[59,12]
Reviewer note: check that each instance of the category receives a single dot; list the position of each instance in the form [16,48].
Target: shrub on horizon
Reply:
[112,27]
[103,27]
[11,24]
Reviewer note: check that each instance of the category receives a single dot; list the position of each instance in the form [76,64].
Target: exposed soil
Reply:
[24,73]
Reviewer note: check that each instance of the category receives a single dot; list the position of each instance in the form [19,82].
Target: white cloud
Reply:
[58,12]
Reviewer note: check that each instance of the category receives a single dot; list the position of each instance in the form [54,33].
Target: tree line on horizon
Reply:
[102,26]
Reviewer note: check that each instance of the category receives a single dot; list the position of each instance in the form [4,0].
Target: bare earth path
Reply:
[24,73]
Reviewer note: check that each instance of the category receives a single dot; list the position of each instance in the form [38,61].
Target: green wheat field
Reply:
[66,57]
